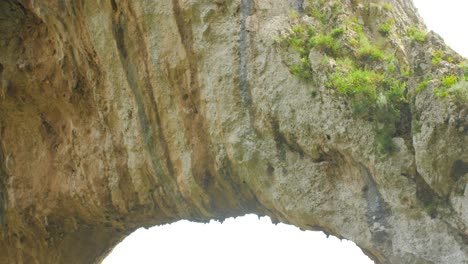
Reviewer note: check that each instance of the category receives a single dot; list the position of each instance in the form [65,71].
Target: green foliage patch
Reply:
[385,29]
[417,35]
[449,80]
[373,96]
[337,32]
[387,7]
[464,66]
[423,85]
[370,53]
[368,75]
[453,88]
[327,44]
[437,57]
[301,40]
[459,92]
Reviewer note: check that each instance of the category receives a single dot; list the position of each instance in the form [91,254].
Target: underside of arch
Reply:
[120,114]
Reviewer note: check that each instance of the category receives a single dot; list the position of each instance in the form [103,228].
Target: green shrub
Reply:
[395,91]
[337,32]
[316,12]
[357,82]
[336,8]
[423,85]
[441,92]
[353,42]
[449,81]
[313,93]
[437,57]
[293,14]
[327,44]
[311,32]
[299,30]
[416,123]
[446,82]
[406,71]
[464,66]
[417,35]
[387,7]
[391,67]
[302,70]
[370,53]
[459,92]
[302,41]
[298,44]
[385,29]
[385,141]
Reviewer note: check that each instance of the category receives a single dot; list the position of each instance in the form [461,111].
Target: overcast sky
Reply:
[449,18]
[251,240]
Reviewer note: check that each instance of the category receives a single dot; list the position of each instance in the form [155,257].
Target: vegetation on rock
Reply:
[375,93]
[417,34]
[368,74]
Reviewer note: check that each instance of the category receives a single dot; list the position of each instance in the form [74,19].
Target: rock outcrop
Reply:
[121,114]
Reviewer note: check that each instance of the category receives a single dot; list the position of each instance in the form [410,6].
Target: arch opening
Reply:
[247,239]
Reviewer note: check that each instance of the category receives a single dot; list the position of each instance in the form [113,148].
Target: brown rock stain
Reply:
[184,79]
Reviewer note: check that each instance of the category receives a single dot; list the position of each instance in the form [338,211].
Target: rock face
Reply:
[120,114]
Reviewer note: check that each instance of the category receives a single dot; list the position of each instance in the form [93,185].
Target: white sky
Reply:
[243,240]
[449,18]
[248,239]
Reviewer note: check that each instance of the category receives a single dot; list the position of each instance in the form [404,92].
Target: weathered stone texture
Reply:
[119,114]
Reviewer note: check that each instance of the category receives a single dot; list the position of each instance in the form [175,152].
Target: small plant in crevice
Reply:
[385,29]
[464,66]
[313,93]
[416,34]
[423,85]
[449,80]
[302,70]
[300,40]
[437,57]
[431,209]
[391,66]
[459,92]
[416,124]
[337,32]
[441,92]
[370,53]
[315,11]
[446,82]
[387,7]
[406,72]
[327,44]
[454,88]
[336,8]
[293,14]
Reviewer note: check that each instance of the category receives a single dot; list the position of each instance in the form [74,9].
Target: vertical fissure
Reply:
[132,82]
[376,210]
[246,11]
[119,24]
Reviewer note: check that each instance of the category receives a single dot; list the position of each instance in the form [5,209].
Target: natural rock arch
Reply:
[122,114]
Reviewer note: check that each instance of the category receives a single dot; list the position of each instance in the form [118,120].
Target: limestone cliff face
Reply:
[120,114]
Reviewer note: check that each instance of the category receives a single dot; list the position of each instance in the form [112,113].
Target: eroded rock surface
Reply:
[120,114]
